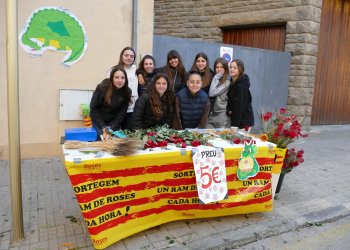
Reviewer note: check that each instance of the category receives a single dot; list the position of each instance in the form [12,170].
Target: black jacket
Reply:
[143,116]
[192,111]
[240,103]
[101,113]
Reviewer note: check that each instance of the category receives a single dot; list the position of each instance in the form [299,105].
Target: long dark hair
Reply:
[180,68]
[124,90]
[206,76]
[156,101]
[224,65]
[240,66]
[142,67]
[120,63]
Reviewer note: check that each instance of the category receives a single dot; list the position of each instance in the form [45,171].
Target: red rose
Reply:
[163,143]
[282,110]
[151,133]
[195,143]
[236,141]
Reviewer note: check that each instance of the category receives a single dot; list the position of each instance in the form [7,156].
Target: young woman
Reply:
[126,61]
[145,73]
[192,105]
[219,86]
[175,70]
[110,101]
[239,106]
[201,64]
[155,107]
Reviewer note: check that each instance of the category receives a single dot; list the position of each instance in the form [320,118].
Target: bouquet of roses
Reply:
[292,159]
[281,128]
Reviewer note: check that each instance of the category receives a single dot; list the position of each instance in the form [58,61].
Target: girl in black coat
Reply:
[239,106]
[175,71]
[155,108]
[110,101]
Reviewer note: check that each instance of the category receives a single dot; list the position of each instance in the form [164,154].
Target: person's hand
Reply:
[105,133]
[219,74]
[141,79]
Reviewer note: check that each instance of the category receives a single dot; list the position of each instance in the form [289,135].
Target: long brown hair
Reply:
[180,68]
[120,63]
[125,89]
[240,66]
[142,67]
[158,109]
[206,77]
[225,66]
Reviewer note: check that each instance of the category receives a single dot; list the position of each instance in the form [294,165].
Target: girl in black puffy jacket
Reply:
[156,106]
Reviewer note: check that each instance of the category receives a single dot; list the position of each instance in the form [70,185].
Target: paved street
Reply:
[315,195]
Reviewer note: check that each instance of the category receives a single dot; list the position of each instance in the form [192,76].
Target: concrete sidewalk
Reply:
[315,192]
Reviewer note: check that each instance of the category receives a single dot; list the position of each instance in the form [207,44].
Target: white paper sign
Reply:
[209,166]
[226,53]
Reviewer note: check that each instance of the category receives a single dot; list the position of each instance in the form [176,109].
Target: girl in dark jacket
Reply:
[175,70]
[145,73]
[110,101]
[201,64]
[239,105]
[155,107]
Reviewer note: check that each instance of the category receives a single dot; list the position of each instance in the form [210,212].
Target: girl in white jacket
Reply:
[126,60]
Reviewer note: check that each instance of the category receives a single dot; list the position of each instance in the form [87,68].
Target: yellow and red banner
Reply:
[120,196]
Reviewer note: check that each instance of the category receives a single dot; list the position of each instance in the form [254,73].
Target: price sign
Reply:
[209,166]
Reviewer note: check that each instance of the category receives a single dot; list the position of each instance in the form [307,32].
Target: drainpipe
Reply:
[17,232]
[134,26]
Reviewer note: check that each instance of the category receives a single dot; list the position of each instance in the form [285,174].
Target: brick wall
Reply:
[203,19]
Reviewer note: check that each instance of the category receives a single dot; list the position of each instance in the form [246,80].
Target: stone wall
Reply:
[203,19]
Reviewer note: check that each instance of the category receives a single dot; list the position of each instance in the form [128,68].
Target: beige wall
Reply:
[108,25]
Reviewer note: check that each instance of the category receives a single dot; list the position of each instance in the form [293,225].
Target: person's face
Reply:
[174,62]
[234,72]
[148,65]
[118,79]
[194,83]
[219,68]
[128,57]
[201,63]
[161,86]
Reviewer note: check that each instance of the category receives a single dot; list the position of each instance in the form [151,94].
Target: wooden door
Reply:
[331,101]
[269,37]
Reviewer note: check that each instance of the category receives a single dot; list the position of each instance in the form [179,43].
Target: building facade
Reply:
[295,26]
[109,27]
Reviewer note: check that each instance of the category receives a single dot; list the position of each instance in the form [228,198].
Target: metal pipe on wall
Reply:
[17,232]
[134,25]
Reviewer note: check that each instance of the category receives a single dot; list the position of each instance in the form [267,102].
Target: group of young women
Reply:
[148,96]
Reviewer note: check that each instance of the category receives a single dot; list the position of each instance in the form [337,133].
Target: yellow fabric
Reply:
[134,193]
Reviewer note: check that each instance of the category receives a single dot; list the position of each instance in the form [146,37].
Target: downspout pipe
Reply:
[17,232]
[134,25]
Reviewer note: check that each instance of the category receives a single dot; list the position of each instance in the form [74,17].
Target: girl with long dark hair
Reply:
[145,73]
[110,101]
[156,106]
[175,70]
[239,106]
[201,64]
